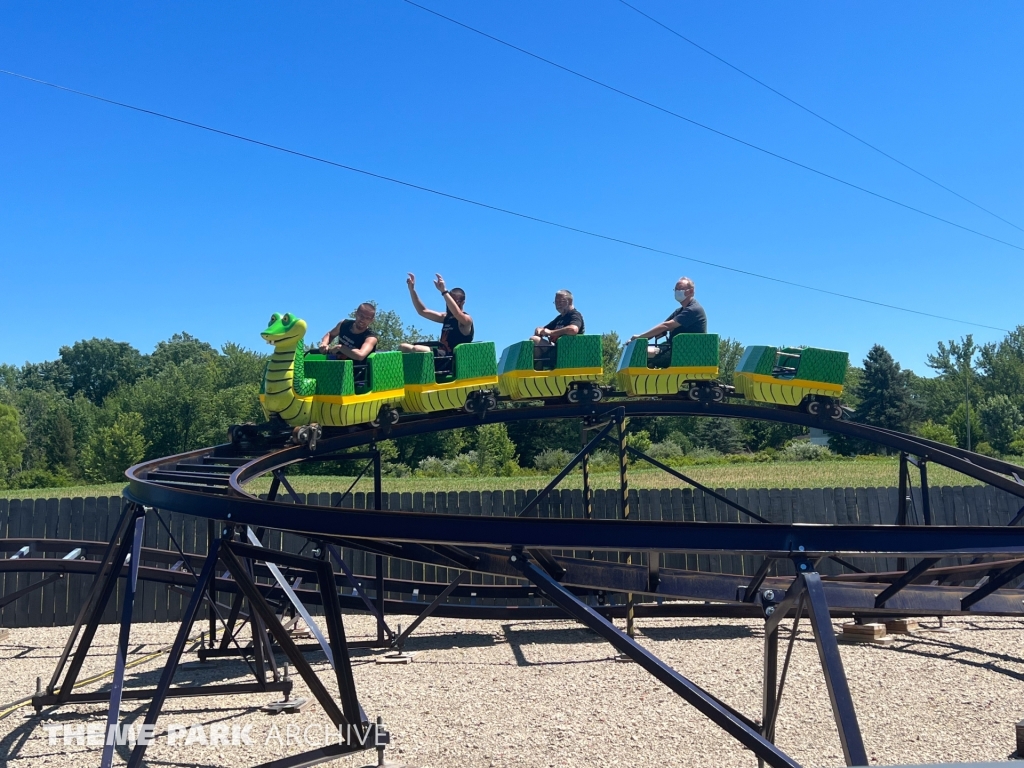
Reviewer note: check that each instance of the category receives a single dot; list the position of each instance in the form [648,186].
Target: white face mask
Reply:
[680,294]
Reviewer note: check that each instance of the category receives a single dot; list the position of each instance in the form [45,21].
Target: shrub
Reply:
[666,449]
[40,478]
[432,467]
[639,440]
[704,453]
[552,459]
[604,460]
[680,439]
[495,451]
[940,433]
[803,450]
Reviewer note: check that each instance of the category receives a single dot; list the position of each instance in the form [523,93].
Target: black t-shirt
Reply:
[344,333]
[451,334]
[572,317]
[691,319]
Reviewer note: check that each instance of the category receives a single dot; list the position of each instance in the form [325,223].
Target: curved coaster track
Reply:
[592,570]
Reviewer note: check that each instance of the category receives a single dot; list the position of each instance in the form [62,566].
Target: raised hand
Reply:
[439,282]
[411,281]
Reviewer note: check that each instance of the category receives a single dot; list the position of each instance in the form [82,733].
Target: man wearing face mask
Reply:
[689,318]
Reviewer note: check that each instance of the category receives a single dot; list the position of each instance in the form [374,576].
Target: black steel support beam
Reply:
[167,676]
[99,596]
[705,703]
[995,582]
[903,581]
[121,657]
[399,641]
[261,608]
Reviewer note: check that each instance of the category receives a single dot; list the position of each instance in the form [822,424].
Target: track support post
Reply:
[807,589]
[626,557]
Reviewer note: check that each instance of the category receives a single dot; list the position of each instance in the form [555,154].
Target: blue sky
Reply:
[122,225]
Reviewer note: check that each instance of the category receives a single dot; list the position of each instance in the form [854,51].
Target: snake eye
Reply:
[287,319]
[273,319]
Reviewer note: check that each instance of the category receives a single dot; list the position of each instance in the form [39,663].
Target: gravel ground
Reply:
[485,693]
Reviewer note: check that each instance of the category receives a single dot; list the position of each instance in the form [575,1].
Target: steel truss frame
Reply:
[237,557]
[210,483]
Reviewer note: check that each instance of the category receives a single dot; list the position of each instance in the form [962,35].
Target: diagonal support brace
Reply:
[725,717]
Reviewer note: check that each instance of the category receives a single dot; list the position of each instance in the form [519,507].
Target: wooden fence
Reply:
[94,519]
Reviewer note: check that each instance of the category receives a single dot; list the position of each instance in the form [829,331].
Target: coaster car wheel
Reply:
[717,394]
[596,394]
[387,416]
[813,407]
[835,411]
[693,393]
[572,395]
[238,433]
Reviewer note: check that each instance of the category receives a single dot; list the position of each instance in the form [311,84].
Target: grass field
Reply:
[874,472]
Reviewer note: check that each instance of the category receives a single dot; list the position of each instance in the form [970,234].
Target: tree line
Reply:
[103,405]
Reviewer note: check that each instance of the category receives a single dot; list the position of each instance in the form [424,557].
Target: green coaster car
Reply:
[310,389]
[805,377]
[691,366]
[471,383]
[528,372]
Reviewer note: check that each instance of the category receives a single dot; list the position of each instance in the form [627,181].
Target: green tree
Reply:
[884,392]
[1000,419]
[99,366]
[239,365]
[940,433]
[956,361]
[48,376]
[181,348]
[1003,367]
[768,434]
[115,448]
[722,435]
[496,453]
[611,351]
[12,442]
[729,353]
[178,407]
[956,422]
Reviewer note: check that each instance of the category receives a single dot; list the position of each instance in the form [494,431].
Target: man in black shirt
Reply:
[351,339]
[569,322]
[456,325]
[689,318]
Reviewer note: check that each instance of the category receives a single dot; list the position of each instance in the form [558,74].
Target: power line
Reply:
[708,128]
[487,206]
[821,117]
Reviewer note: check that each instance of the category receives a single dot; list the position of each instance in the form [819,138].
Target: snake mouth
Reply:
[269,337]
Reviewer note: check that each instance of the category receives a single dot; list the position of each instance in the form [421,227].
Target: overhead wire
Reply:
[710,129]
[818,115]
[488,206]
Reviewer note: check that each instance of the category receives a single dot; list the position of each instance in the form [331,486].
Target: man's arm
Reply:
[659,330]
[569,330]
[361,353]
[421,308]
[465,321]
[326,340]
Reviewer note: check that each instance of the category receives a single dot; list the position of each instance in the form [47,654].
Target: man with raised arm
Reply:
[351,339]
[456,325]
[688,318]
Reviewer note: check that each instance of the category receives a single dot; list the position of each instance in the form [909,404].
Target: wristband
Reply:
[446,291]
